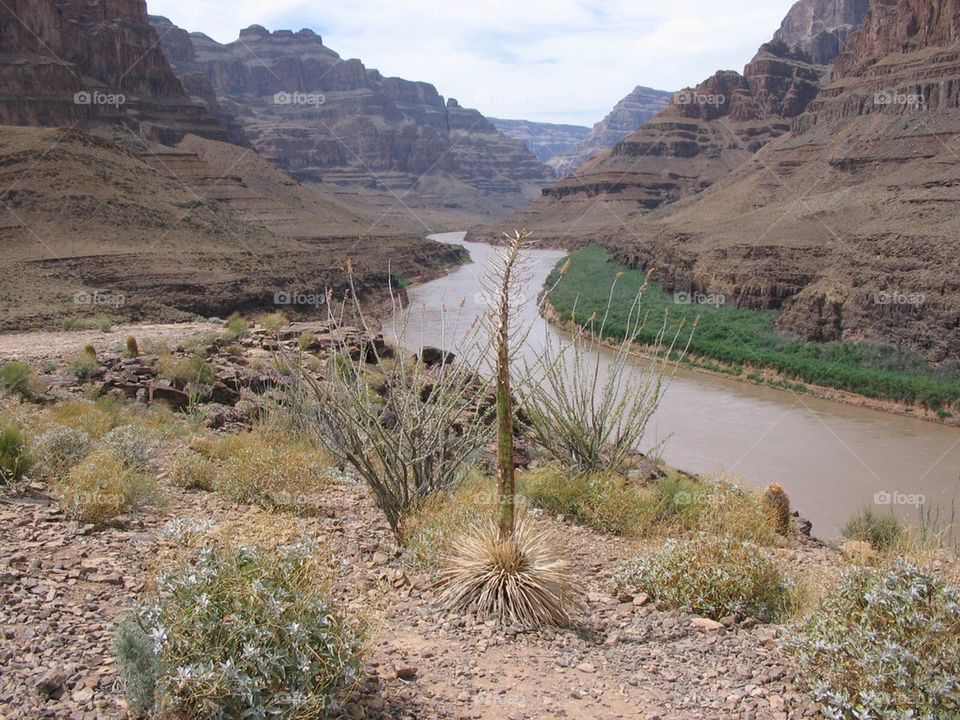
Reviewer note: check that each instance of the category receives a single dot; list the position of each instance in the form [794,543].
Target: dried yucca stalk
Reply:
[519,580]
[506,570]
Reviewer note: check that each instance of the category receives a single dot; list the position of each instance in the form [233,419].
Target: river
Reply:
[832,459]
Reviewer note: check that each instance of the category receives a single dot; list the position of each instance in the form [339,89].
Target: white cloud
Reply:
[551,60]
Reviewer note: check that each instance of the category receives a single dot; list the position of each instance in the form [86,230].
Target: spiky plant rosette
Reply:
[517,581]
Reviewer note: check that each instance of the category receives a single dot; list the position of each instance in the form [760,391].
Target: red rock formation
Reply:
[333,121]
[69,61]
[849,222]
[821,27]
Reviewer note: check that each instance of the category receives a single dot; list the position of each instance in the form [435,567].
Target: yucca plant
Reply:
[505,570]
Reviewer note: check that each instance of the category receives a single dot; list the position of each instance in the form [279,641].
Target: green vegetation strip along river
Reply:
[741,338]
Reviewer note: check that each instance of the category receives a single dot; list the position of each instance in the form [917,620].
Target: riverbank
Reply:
[765,377]
[744,345]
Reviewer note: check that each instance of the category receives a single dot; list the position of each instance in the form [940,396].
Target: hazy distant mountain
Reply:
[547,141]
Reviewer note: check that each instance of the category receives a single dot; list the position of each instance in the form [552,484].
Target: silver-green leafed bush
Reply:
[130,444]
[712,576]
[885,644]
[284,654]
[58,450]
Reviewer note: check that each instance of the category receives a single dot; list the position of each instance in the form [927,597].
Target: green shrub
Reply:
[881,531]
[237,328]
[673,504]
[737,337]
[15,458]
[712,576]
[604,501]
[102,487]
[274,322]
[59,449]
[262,471]
[192,370]
[885,644]
[17,378]
[85,365]
[131,445]
[194,472]
[285,653]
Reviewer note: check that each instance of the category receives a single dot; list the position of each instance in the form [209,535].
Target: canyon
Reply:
[827,192]
[394,147]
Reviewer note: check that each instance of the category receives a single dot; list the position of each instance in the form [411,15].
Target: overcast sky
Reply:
[547,60]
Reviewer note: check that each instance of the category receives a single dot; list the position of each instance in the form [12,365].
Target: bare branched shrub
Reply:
[410,428]
[588,405]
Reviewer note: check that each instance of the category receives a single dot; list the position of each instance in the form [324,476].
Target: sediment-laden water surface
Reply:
[832,458]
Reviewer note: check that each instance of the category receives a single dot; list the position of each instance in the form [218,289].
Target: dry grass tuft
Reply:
[519,581]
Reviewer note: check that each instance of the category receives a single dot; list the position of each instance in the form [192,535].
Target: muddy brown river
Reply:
[833,459]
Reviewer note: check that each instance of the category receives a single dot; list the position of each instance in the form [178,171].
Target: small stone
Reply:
[586,668]
[50,684]
[706,624]
[406,672]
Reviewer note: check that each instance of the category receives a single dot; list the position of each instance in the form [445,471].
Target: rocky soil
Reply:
[63,585]
[105,224]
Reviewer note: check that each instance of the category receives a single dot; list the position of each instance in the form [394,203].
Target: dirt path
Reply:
[40,346]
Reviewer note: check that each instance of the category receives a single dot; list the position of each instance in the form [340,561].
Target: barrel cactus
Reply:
[777,503]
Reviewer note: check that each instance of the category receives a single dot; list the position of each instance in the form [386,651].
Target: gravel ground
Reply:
[63,585]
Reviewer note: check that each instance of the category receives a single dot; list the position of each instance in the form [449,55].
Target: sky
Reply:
[565,61]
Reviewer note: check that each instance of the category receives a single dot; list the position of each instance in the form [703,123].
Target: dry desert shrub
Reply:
[102,486]
[520,580]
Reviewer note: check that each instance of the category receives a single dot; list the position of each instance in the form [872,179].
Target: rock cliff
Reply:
[627,116]
[548,141]
[849,223]
[64,62]
[821,27]
[373,139]
[703,134]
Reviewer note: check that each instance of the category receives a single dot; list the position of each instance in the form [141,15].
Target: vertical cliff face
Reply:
[821,27]
[896,27]
[70,61]
[328,120]
[550,142]
[629,115]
